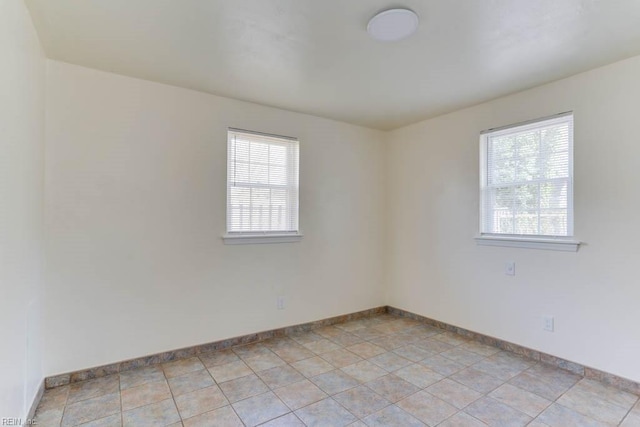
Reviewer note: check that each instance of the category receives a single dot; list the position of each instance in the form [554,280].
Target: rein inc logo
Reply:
[17,422]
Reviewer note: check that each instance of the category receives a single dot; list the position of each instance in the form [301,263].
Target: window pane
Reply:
[262,183]
[527,184]
[553,222]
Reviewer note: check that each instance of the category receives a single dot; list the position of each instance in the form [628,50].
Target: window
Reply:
[262,188]
[526,188]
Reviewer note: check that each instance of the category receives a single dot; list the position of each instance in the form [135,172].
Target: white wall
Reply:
[135,210]
[21,200]
[436,269]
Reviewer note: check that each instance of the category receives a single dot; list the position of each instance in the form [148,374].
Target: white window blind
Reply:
[262,183]
[527,179]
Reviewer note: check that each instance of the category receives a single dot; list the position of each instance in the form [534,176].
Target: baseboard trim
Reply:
[574,367]
[167,356]
[577,368]
[34,405]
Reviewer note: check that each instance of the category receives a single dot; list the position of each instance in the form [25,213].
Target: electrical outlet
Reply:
[547,323]
[280,303]
[510,268]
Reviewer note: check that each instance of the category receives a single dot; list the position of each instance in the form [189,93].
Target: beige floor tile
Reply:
[280,376]
[392,387]
[451,339]
[181,367]
[498,369]
[557,377]
[596,406]
[392,415]
[293,353]
[230,371]
[454,393]
[322,346]
[54,399]
[300,394]
[515,361]
[329,331]
[91,409]
[264,361]
[481,349]
[389,328]
[413,353]
[560,416]
[364,371]
[346,339]
[442,365]
[145,394]
[368,334]
[522,400]
[537,423]
[215,358]
[395,377]
[390,342]
[538,385]
[259,409]
[427,408]
[462,356]
[200,401]
[390,361]
[335,381]
[366,350]
[244,387]
[139,376]
[93,388]
[631,420]
[495,413]
[341,357]
[110,421]
[289,420]
[155,415]
[251,350]
[418,375]
[462,420]
[433,345]
[306,337]
[312,366]
[49,417]
[605,392]
[221,417]
[278,342]
[351,326]
[324,413]
[190,382]
[479,381]
[361,401]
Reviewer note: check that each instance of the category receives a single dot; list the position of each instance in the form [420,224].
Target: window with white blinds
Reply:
[527,179]
[262,184]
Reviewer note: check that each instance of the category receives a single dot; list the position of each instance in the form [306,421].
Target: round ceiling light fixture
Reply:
[393,25]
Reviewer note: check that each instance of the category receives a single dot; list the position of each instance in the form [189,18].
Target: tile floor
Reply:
[379,371]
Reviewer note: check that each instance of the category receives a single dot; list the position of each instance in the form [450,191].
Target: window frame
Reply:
[534,241]
[265,236]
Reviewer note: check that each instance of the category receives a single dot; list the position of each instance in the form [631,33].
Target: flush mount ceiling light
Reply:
[393,25]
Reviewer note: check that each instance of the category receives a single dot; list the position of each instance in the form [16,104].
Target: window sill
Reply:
[250,239]
[529,243]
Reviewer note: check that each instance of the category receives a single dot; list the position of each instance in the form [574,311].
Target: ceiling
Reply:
[314,56]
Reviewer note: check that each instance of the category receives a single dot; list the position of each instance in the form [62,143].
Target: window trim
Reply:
[266,236]
[557,243]
[254,238]
[513,241]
